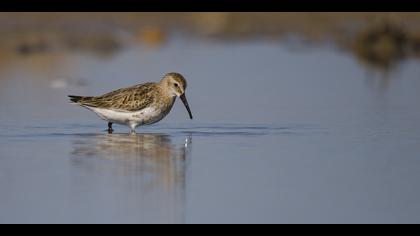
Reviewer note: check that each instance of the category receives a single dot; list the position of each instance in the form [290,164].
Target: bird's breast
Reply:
[153,114]
[148,115]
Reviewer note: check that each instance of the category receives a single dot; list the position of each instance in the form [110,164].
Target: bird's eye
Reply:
[176,85]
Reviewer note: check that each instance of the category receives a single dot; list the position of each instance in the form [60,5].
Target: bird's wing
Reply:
[126,99]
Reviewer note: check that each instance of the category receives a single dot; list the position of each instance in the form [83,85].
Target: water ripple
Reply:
[247,130]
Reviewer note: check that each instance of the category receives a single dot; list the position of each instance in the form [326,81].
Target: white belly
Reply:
[143,117]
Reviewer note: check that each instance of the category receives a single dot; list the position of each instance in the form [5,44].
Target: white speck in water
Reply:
[59,83]
[187,141]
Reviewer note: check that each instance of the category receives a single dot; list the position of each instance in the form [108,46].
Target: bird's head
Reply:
[175,84]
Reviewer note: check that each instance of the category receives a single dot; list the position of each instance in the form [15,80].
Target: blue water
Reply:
[278,137]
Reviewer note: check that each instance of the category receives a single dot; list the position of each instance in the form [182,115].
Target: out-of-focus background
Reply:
[299,118]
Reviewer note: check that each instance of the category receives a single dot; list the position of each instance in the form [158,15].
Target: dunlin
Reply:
[138,105]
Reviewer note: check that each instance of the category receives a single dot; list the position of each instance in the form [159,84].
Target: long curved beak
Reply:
[184,100]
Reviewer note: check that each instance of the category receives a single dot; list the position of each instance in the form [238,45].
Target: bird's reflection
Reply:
[154,164]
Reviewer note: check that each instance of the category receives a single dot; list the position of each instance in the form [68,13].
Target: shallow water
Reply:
[279,136]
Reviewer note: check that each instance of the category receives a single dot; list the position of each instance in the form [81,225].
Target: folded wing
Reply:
[127,99]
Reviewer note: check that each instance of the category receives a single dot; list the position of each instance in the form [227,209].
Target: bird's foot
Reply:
[110,130]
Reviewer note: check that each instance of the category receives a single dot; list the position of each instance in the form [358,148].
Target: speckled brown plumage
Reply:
[138,105]
[126,99]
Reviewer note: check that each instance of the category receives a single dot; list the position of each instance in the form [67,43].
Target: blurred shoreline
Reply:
[377,40]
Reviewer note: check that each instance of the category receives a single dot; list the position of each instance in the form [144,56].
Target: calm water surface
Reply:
[279,136]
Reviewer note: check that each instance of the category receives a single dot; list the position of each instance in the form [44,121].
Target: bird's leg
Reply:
[132,129]
[110,130]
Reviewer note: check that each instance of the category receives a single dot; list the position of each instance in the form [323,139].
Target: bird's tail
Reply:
[75,99]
